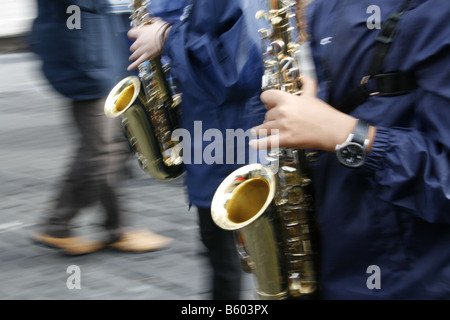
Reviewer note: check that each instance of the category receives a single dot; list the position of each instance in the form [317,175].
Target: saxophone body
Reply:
[271,208]
[149,111]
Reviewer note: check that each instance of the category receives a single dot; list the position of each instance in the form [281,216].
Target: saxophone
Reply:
[271,208]
[149,111]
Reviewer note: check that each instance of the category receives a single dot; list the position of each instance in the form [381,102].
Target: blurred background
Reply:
[16,18]
[35,149]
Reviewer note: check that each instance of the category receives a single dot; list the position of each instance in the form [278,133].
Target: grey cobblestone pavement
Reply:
[35,146]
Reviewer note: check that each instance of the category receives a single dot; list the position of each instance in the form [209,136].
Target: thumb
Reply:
[309,86]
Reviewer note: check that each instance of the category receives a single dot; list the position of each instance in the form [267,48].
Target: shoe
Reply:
[71,245]
[140,241]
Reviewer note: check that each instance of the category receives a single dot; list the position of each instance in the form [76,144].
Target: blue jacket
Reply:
[81,63]
[217,60]
[170,11]
[394,212]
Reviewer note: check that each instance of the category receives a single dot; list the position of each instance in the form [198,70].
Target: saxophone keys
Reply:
[260,14]
[276,20]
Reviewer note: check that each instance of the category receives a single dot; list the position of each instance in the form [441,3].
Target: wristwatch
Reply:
[352,153]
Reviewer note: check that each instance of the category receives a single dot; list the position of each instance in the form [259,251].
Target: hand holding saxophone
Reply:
[303,121]
[148,43]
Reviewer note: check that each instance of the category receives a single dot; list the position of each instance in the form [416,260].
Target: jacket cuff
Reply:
[375,158]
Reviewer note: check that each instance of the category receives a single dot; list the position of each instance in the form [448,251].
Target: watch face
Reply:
[352,155]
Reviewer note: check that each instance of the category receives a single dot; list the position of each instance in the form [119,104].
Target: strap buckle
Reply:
[365,81]
[389,84]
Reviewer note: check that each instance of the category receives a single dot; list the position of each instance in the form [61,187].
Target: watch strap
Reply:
[360,132]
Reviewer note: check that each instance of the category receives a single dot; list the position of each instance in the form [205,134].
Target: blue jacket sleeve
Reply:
[412,163]
[169,11]
[214,52]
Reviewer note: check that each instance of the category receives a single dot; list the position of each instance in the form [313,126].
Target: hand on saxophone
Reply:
[303,121]
[148,42]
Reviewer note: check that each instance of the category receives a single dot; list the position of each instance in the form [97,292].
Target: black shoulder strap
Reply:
[387,84]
